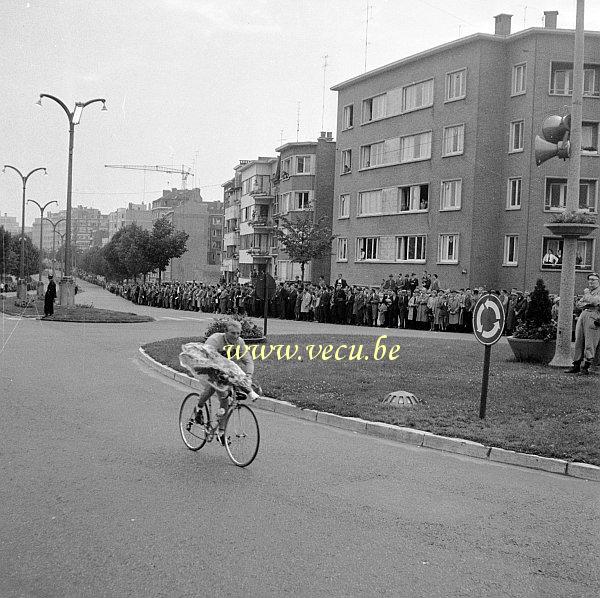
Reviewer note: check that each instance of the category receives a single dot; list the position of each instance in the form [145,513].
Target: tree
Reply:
[539,310]
[305,239]
[10,248]
[165,244]
[128,252]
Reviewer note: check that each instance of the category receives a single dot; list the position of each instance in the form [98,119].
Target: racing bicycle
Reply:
[242,434]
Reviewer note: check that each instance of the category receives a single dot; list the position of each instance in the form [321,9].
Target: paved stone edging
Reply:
[405,435]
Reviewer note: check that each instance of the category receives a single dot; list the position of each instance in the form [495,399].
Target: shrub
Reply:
[249,329]
[537,323]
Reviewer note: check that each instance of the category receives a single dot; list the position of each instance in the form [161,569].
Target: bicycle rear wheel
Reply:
[193,433]
[242,435]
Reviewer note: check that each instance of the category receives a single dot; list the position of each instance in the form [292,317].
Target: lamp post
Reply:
[21,286]
[54,225]
[66,284]
[40,286]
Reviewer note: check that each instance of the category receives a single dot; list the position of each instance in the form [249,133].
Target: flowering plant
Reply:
[538,323]
[249,329]
[575,217]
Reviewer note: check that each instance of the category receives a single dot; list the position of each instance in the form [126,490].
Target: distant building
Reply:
[203,221]
[436,170]
[134,213]
[10,224]
[298,181]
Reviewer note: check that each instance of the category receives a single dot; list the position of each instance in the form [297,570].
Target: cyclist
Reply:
[219,341]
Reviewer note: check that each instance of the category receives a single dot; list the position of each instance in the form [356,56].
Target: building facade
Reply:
[435,164]
[203,221]
[10,224]
[134,213]
[304,186]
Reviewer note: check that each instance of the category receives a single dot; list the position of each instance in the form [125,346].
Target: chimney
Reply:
[329,136]
[550,19]
[502,24]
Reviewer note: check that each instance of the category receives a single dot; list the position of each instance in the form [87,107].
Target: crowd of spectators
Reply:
[403,301]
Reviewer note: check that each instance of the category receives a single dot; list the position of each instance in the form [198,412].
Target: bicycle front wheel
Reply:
[242,435]
[192,432]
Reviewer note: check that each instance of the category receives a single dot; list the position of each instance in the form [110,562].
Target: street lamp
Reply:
[40,289]
[21,286]
[54,225]
[66,284]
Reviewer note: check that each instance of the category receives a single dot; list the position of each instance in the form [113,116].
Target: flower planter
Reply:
[571,229]
[528,349]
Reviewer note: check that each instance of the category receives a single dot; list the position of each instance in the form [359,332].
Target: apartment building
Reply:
[297,182]
[89,228]
[435,166]
[10,224]
[134,213]
[304,185]
[203,221]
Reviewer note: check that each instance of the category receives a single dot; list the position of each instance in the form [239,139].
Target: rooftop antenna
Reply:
[369,7]
[195,169]
[298,124]
[524,16]
[281,137]
[324,72]
[459,30]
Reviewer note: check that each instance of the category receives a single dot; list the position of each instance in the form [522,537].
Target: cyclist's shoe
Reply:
[199,417]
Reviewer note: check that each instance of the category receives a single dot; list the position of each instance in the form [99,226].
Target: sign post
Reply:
[265,288]
[488,325]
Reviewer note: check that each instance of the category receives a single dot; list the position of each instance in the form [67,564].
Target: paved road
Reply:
[98,496]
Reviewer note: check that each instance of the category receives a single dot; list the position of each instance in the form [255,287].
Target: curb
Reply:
[410,436]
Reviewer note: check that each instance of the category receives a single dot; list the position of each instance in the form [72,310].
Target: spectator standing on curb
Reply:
[49,297]
[587,332]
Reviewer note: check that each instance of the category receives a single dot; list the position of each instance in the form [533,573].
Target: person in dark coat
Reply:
[49,297]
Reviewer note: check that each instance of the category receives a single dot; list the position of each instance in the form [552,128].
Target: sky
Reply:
[200,83]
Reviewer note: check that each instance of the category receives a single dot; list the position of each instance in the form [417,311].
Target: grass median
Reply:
[530,408]
[73,313]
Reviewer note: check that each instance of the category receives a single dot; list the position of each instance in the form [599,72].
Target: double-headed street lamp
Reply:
[66,284]
[22,287]
[54,225]
[42,208]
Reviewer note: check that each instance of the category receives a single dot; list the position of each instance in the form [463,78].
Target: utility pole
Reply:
[323,107]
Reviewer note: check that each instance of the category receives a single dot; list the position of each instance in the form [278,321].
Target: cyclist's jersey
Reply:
[218,342]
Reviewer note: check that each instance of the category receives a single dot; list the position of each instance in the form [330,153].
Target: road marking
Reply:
[183,319]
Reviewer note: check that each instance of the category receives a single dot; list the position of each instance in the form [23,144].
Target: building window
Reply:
[367,248]
[418,95]
[415,147]
[513,193]
[369,203]
[451,195]
[561,79]
[552,254]
[344,211]
[589,138]
[453,140]
[346,161]
[373,108]
[380,154]
[302,164]
[448,249]
[519,79]
[348,117]
[414,198]
[411,248]
[286,168]
[342,249]
[511,250]
[516,136]
[285,203]
[456,87]
[556,195]
[302,200]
